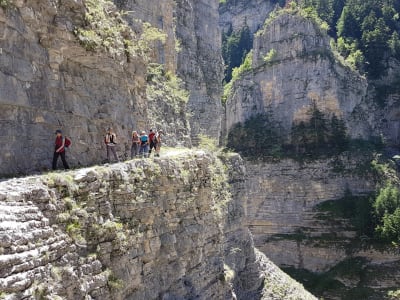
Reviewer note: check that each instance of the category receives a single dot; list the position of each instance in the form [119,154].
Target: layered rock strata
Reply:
[137,230]
[51,80]
[285,220]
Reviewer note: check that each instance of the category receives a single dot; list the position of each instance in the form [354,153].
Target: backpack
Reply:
[67,142]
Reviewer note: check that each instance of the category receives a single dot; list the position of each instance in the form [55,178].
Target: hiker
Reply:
[135,144]
[157,142]
[111,142]
[152,135]
[144,144]
[59,150]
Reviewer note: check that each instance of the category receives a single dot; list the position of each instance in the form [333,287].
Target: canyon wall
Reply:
[49,81]
[171,228]
[284,215]
[293,68]
[200,64]
[235,14]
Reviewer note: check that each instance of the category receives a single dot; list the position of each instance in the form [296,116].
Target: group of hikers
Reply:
[142,145]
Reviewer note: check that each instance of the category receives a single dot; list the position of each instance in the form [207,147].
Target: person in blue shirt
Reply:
[144,144]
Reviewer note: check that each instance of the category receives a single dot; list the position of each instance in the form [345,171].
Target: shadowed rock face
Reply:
[140,230]
[303,70]
[200,64]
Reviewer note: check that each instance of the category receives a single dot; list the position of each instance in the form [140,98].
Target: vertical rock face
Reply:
[293,67]
[138,230]
[252,13]
[160,15]
[48,81]
[284,217]
[200,63]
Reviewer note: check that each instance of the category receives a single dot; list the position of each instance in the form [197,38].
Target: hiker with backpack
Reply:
[135,144]
[152,135]
[157,142]
[111,142]
[144,144]
[60,144]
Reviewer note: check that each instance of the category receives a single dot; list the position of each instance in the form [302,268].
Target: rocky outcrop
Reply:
[138,230]
[283,216]
[234,14]
[293,67]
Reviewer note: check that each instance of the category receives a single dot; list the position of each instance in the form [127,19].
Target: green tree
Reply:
[235,46]
[387,211]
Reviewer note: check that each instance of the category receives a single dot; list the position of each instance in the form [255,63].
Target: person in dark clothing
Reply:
[59,150]
[151,136]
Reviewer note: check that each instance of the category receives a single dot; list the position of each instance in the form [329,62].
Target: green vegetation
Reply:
[167,86]
[366,31]
[6,3]
[246,66]
[387,211]
[258,137]
[358,209]
[394,295]
[323,284]
[261,137]
[114,283]
[105,28]
[235,47]
[270,56]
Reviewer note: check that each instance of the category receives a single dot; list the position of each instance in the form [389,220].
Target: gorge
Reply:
[201,221]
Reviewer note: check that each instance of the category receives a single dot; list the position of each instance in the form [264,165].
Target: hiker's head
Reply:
[151,130]
[160,132]
[109,129]
[58,132]
[143,133]
[134,133]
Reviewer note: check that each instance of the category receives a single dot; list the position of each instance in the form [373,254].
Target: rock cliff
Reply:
[235,14]
[60,68]
[49,81]
[193,49]
[171,228]
[293,67]
[200,63]
[283,213]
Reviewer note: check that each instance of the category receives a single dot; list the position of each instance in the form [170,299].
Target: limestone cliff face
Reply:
[171,228]
[238,13]
[283,217]
[293,67]
[49,81]
[200,63]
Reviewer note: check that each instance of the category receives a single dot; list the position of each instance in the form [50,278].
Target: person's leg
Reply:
[114,151]
[158,147]
[55,158]
[137,148]
[151,147]
[133,150]
[65,164]
[146,151]
[108,154]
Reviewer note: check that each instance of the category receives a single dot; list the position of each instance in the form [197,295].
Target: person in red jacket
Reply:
[152,135]
[59,150]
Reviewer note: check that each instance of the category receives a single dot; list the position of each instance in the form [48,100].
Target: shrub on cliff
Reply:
[257,137]
[387,210]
